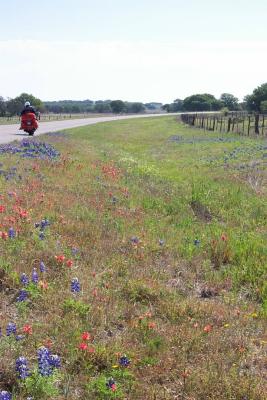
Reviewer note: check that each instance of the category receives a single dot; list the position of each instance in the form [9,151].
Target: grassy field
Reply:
[144,243]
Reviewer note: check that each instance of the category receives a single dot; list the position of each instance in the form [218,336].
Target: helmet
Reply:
[27,104]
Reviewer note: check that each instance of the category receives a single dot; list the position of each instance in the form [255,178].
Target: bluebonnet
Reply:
[4,395]
[75,285]
[74,251]
[41,235]
[42,267]
[11,329]
[161,242]
[134,240]
[44,365]
[24,279]
[35,277]
[11,233]
[55,361]
[29,148]
[22,367]
[44,223]
[0,332]
[23,295]
[110,383]
[124,361]
[47,361]
[19,337]
[196,242]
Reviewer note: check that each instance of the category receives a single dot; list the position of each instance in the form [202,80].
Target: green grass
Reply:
[172,263]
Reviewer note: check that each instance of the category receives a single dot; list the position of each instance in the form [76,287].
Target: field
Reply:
[133,264]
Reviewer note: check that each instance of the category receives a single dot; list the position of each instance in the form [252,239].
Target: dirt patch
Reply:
[201,211]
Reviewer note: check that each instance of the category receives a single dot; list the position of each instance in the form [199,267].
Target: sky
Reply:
[142,50]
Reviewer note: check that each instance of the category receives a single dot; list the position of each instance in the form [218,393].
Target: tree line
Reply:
[255,102]
[12,107]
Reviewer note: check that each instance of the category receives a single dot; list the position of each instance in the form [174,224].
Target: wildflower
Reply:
[208,328]
[11,328]
[224,238]
[22,367]
[41,236]
[55,361]
[42,267]
[196,242]
[75,285]
[74,251]
[24,279]
[83,346]
[35,277]
[86,336]
[11,233]
[69,263]
[134,240]
[151,325]
[44,365]
[161,242]
[19,337]
[27,329]
[4,235]
[43,285]
[111,384]
[124,361]
[23,295]
[4,395]
[44,223]
[91,350]
[60,259]
[2,208]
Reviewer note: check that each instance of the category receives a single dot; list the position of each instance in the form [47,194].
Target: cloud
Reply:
[137,70]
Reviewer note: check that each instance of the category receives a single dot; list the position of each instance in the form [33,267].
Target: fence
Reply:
[241,123]
[49,117]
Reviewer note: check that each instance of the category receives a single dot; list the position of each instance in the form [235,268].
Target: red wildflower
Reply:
[208,328]
[4,235]
[60,258]
[69,263]
[27,329]
[2,209]
[151,325]
[224,238]
[86,336]
[43,285]
[83,346]
[113,387]
[91,350]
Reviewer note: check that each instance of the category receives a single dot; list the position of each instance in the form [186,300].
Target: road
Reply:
[8,133]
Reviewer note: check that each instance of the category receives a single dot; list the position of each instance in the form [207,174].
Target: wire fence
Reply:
[234,122]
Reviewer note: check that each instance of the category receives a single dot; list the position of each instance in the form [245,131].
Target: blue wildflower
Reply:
[196,242]
[24,279]
[161,242]
[134,240]
[42,267]
[75,285]
[41,236]
[4,395]
[124,361]
[22,367]
[44,364]
[23,295]
[55,361]
[11,329]
[35,277]
[11,233]
[19,337]
[111,384]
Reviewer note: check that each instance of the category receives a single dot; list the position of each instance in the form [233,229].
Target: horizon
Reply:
[147,50]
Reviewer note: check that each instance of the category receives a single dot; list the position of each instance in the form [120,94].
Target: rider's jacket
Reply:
[28,109]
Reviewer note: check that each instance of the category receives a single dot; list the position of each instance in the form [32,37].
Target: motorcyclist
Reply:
[28,109]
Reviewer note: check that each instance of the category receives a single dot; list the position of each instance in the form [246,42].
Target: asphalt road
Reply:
[8,133]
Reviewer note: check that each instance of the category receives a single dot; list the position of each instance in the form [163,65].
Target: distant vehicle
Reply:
[29,123]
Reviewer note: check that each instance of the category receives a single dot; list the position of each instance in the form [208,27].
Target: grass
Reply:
[165,228]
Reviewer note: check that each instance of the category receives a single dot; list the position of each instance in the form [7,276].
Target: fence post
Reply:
[229,124]
[257,124]
[248,124]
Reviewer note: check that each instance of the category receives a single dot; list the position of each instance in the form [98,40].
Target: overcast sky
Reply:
[146,50]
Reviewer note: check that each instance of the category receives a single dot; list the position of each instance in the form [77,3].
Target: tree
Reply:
[117,106]
[264,106]
[201,102]
[2,107]
[176,106]
[254,100]
[230,101]
[135,108]
[14,106]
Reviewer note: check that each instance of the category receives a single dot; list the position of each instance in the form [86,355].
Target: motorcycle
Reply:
[29,123]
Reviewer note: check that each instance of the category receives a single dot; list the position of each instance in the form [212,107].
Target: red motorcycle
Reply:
[29,123]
